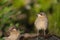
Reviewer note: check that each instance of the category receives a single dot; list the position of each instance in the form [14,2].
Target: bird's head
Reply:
[41,14]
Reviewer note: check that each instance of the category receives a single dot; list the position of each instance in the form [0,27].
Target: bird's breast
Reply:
[41,24]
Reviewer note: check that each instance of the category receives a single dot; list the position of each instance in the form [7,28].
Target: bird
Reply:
[41,22]
[14,34]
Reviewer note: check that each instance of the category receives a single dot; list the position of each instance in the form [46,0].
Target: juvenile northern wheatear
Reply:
[14,34]
[41,22]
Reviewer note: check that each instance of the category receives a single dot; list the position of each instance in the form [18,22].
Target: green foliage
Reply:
[45,4]
[9,14]
[18,3]
[1,39]
[2,2]
[54,26]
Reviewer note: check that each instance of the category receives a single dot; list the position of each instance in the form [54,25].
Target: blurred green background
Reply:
[22,14]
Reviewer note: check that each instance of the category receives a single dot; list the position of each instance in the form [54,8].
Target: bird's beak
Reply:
[38,15]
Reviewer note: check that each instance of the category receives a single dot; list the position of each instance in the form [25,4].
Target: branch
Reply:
[27,35]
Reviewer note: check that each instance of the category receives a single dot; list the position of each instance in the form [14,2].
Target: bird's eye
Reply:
[41,14]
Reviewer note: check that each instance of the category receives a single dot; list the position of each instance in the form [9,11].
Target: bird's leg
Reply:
[37,35]
[44,33]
